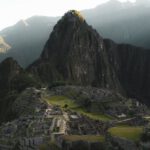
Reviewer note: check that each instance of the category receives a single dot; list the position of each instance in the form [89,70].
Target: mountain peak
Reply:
[22,23]
[74,15]
[11,64]
[65,30]
[9,68]
[74,53]
[9,60]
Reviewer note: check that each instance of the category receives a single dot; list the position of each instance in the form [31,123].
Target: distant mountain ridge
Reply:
[27,38]
[122,22]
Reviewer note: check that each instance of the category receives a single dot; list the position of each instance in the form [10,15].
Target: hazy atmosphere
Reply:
[13,10]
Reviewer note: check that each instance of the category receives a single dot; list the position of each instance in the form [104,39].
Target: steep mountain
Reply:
[131,65]
[26,39]
[75,53]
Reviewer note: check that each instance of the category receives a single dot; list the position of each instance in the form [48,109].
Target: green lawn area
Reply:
[131,133]
[90,138]
[95,116]
[62,101]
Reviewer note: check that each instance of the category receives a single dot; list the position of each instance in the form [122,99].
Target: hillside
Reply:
[27,38]
[122,22]
[13,80]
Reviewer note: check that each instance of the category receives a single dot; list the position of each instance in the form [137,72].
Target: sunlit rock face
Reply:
[75,53]
[4,47]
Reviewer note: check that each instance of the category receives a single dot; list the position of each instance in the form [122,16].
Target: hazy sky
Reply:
[13,10]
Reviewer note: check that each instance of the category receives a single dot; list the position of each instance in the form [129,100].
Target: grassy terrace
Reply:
[62,101]
[89,138]
[131,133]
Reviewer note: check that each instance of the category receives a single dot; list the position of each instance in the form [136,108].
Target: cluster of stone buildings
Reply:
[30,143]
[47,123]
[50,122]
[28,132]
[81,125]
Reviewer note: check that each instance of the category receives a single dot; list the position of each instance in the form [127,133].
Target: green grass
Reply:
[89,138]
[62,101]
[131,133]
[95,116]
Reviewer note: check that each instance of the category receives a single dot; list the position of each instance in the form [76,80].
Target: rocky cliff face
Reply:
[9,69]
[75,53]
[13,79]
[131,65]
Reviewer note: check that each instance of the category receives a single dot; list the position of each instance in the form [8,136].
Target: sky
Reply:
[11,11]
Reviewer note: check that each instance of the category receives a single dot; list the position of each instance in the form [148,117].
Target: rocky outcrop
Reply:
[9,69]
[13,79]
[75,53]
